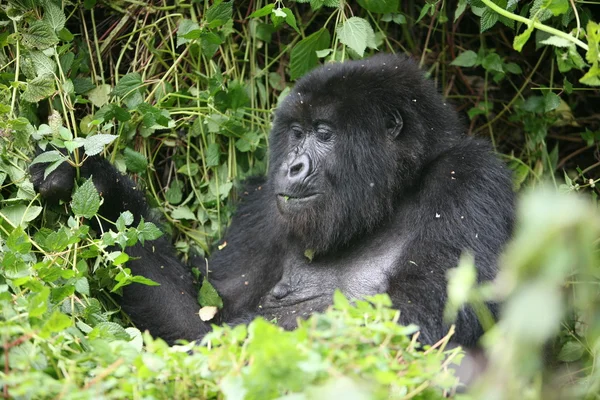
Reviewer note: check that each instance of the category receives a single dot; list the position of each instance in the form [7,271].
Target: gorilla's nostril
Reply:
[296,169]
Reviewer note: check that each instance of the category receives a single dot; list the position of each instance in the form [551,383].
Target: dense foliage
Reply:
[180,95]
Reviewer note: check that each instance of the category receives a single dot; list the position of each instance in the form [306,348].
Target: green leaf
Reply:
[38,303]
[354,33]
[18,241]
[56,323]
[48,157]
[521,39]
[127,84]
[290,18]
[183,212]
[148,231]
[42,63]
[571,351]
[40,35]
[95,144]
[557,41]
[99,96]
[20,214]
[263,12]
[38,89]
[592,77]
[466,59]
[54,16]
[380,6]
[488,19]
[303,57]
[551,102]
[219,13]
[558,7]
[187,30]
[592,31]
[492,62]
[82,85]
[82,286]
[134,161]
[208,296]
[460,9]
[86,200]
[111,330]
[174,194]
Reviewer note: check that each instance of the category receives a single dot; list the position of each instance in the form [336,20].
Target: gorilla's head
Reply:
[349,142]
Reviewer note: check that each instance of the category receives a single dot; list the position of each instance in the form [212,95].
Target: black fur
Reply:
[371,176]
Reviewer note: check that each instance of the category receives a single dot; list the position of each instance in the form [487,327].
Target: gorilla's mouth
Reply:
[286,198]
[288,203]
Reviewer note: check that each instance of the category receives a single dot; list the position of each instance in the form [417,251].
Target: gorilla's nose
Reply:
[281,290]
[299,169]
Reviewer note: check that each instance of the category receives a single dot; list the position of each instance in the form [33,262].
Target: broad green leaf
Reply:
[38,89]
[303,57]
[558,7]
[82,286]
[380,6]
[571,351]
[208,296]
[263,12]
[134,161]
[148,231]
[38,303]
[48,157]
[460,9]
[593,35]
[86,200]
[174,194]
[466,59]
[592,77]
[40,35]
[20,214]
[551,102]
[95,144]
[127,84]
[213,155]
[219,13]
[99,96]
[42,63]
[54,16]
[18,241]
[488,19]
[354,33]
[56,323]
[109,330]
[187,30]
[183,212]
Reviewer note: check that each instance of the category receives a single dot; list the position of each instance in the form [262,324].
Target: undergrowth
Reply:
[180,96]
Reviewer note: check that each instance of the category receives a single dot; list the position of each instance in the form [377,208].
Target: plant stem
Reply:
[536,24]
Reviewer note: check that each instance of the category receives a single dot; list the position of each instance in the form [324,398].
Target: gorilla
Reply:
[372,187]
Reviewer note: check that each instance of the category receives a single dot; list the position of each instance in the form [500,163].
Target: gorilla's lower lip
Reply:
[296,198]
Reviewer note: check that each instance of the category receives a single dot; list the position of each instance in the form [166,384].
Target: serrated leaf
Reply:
[95,144]
[82,85]
[42,64]
[354,33]
[86,200]
[56,323]
[54,16]
[262,12]
[187,31]
[380,6]
[208,296]
[174,194]
[18,241]
[219,13]
[38,89]
[488,19]
[82,286]
[134,161]
[127,84]
[303,57]
[466,59]
[40,35]
[551,102]
[148,231]
[106,330]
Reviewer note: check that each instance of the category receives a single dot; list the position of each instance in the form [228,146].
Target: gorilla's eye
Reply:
[323,133]
[297,131]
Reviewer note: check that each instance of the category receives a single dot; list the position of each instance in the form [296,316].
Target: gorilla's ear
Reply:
[394,123]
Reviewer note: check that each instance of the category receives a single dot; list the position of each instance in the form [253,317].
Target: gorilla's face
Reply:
[347,141]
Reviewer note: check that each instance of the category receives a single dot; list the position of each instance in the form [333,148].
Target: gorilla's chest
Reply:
[307,286]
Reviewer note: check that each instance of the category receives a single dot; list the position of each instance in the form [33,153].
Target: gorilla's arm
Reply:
[463,203]
[170,310]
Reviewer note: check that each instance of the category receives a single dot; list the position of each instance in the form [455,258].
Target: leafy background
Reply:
[180,95]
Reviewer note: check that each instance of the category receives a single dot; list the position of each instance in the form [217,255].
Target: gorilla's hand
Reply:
[58,185]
